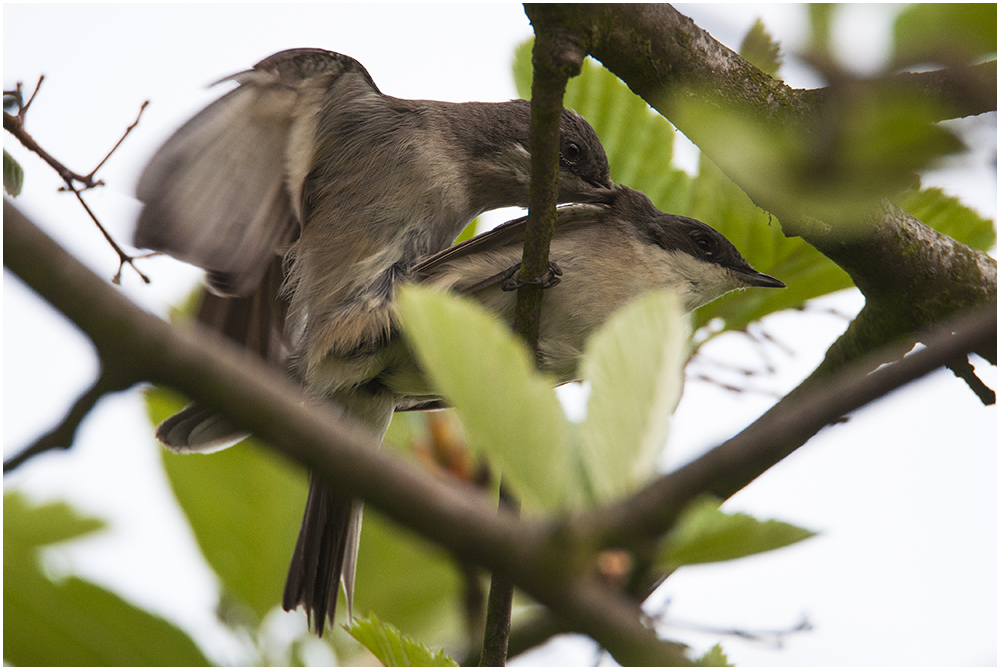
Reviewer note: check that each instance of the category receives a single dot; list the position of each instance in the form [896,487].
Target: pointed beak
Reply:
[599,195]
[754,278]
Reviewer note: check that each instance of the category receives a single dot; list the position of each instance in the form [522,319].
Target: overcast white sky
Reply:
[904,572]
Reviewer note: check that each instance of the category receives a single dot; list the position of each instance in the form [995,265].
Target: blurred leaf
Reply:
[761,50]
[509,411]
[13,175]
[635,364]
[244,505]
[948,33]
[948,215]
[705,534]
[714,658]
[394,649]
[820,27]
[73,622]
[639,142]
[407,580]
[808,273]
[838,168]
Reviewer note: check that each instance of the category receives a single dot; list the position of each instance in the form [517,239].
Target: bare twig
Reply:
[128,130]
[963,370]
[498,607]
[14,124]
[61,437]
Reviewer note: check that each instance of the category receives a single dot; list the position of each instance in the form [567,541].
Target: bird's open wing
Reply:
[223,192]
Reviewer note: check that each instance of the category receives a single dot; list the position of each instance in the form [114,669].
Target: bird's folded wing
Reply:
[502,238]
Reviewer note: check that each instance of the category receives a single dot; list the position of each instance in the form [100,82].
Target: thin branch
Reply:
[123,257]
[14,124]
[61,437]
[554,60]
[501,600]
[963,370]
[782,429]
[128,130]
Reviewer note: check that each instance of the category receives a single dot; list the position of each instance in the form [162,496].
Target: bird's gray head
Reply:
[692,258]
[501,148]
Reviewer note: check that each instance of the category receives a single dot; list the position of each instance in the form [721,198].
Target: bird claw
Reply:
[511,282]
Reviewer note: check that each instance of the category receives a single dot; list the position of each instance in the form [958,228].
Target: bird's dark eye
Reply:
[571,151]
[704,243]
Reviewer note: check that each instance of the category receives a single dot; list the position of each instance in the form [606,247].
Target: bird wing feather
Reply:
[261,132]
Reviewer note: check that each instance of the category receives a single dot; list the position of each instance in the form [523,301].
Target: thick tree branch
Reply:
[784,428]
[203,367]
[912,276]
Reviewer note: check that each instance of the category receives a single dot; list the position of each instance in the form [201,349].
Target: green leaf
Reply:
[244,505]
[820,26]
[714,658]
[705,534]
[808,273]
[73,622]
[949,33]
[635,363]
[948,215]
[761,50]
[509,410]
[408,580]
[13,175]
[249,547]
[637,140]
[394,649]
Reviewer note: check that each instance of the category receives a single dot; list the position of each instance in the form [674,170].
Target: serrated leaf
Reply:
[637,140]
[949,33]
[399,574]
[761,50]
[13,175]
[714,658]
[394,649]
[807,273]
[948,215]
[408,580]
[635,364]
[509,410]
[73,622]
[705,534]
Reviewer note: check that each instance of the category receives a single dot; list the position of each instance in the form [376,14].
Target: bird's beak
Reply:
[754,278]
[599,195]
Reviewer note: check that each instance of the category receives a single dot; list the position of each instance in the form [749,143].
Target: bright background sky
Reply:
[904,495]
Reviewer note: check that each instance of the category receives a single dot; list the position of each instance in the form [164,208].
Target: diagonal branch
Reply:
[912,276]
[784,428]
[253,396]
[61,437]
